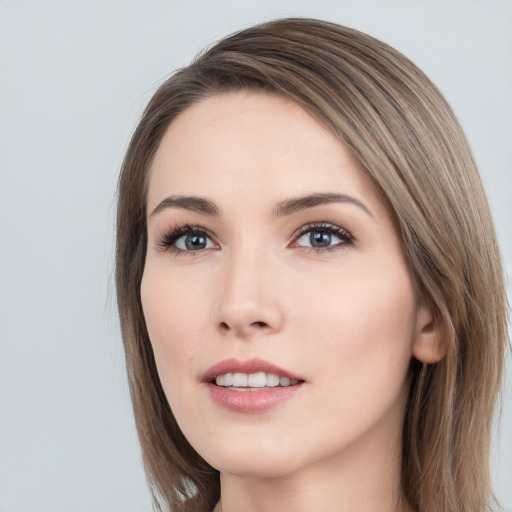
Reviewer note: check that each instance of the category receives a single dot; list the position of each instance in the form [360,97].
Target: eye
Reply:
[193,242]
[323,236]
[187,239]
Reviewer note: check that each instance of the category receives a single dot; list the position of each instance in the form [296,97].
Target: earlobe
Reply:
[428,346]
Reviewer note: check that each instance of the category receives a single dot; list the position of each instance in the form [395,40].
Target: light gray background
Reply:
[74,77]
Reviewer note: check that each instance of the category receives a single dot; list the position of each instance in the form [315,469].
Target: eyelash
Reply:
[324,227]
[168,241]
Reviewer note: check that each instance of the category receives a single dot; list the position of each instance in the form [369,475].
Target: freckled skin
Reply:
[346,318]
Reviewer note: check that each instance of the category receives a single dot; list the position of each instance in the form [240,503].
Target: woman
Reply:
[309,284]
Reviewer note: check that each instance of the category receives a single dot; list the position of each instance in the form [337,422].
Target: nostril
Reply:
[224,326]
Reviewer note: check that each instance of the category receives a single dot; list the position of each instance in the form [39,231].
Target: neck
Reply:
[365,478]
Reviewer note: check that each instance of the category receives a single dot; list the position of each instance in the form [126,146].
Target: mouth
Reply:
[253,381]
[250,386]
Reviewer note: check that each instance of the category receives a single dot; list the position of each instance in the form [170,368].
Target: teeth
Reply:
[257,380]
[253,380]
[272,380]
[240,380]
[224,380]
[284,381]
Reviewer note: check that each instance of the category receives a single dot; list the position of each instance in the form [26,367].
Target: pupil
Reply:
[194,242]
[319,239]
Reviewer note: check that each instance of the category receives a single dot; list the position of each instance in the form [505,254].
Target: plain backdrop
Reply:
[74,78]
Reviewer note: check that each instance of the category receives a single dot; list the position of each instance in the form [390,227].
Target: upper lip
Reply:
[253,365]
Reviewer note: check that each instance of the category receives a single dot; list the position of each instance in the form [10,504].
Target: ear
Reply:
[428,346]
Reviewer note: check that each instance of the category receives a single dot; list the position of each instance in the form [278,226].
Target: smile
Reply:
[248,382]
[250,386]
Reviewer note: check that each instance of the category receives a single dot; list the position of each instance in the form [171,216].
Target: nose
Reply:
[250,298]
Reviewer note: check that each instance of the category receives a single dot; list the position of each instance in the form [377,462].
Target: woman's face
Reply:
[272,258]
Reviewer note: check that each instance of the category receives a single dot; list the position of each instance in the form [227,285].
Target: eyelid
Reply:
[167,241]
[344,235]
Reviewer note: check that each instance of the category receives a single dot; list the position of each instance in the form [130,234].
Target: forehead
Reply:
[246,142]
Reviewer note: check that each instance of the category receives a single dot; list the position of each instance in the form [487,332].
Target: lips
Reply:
[238,386]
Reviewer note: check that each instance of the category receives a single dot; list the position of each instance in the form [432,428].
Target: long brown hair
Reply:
[399,126]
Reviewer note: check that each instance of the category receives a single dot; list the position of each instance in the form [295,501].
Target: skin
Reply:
[346,318]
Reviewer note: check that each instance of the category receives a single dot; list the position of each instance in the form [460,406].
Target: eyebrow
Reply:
[287,207]
[196,204]
[291,206]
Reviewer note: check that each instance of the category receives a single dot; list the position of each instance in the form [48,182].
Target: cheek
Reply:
[363,322]
[171,320]
[359,335]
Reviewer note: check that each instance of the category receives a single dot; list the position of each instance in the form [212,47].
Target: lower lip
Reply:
[251,401]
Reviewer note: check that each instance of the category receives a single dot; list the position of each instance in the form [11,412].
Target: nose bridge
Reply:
[248,298]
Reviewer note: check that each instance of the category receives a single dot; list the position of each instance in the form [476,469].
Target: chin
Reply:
[252,460]
[263,467]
